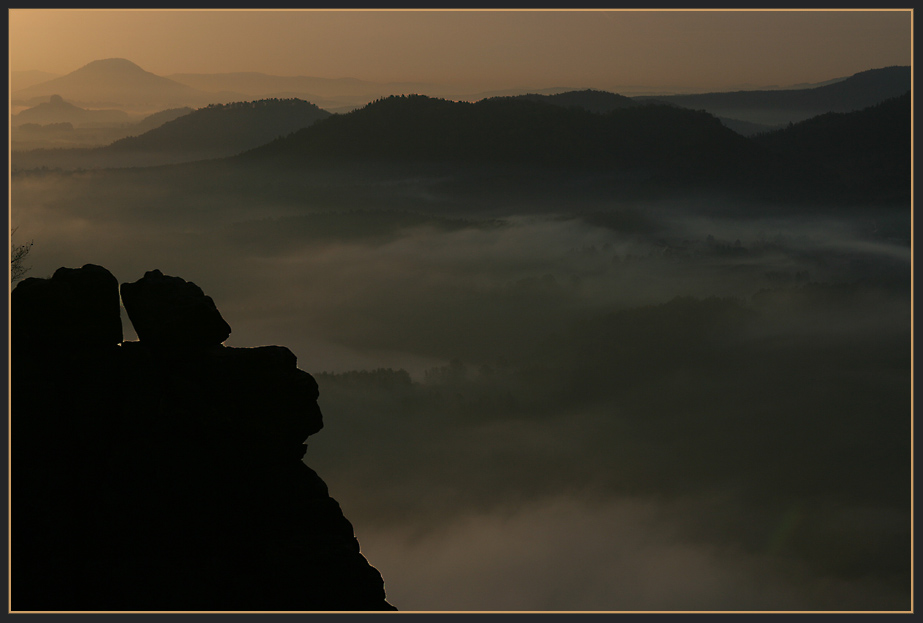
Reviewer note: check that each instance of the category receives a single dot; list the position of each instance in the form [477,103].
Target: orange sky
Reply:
[485,49]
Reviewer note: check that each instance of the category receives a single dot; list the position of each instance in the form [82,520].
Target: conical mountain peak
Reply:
[115,82]
[112,64]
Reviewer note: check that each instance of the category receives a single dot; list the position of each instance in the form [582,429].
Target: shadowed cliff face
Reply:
[166,473]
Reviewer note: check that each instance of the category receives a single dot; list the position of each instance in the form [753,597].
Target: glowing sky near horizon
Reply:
[480,49]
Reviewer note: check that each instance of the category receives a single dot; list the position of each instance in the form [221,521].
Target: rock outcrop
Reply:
[165,473]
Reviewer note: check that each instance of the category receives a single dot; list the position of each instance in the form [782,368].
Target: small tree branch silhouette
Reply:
[18,255]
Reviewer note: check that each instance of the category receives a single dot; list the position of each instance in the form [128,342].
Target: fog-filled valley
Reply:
[711,390]
[575,350]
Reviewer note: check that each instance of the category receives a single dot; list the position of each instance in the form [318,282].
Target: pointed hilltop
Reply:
[57,110]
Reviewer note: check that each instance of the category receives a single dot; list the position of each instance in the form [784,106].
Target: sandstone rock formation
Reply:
[166,473]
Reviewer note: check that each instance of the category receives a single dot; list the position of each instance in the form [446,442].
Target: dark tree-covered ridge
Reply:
[514,131]
[235,126]
[653,146]
[589,99]
[863,152]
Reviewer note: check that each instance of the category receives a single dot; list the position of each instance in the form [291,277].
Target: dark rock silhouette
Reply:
[165,474]
[169,311]
[77,308]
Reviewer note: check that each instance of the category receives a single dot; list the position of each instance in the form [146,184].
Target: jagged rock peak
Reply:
[172,312]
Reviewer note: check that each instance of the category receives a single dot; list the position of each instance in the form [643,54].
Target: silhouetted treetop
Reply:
[588,99]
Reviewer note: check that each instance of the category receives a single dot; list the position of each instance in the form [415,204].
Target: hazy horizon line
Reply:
[461,88]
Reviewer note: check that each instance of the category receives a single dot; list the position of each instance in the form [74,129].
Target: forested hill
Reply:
[518,131]
[862,156]
[227,128]
[864,152]
[158,119]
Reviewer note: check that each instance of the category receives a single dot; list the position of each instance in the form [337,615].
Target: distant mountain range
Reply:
[55,126]
[119,83]
[653,143]
[779,107]
[215,131]
[755,111]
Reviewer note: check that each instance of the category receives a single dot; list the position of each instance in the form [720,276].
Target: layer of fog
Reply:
[633,408]
[624,555]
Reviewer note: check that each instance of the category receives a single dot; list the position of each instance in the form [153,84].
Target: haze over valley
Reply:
[578,348]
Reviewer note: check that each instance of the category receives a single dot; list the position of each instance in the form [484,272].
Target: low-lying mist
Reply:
[585,406]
